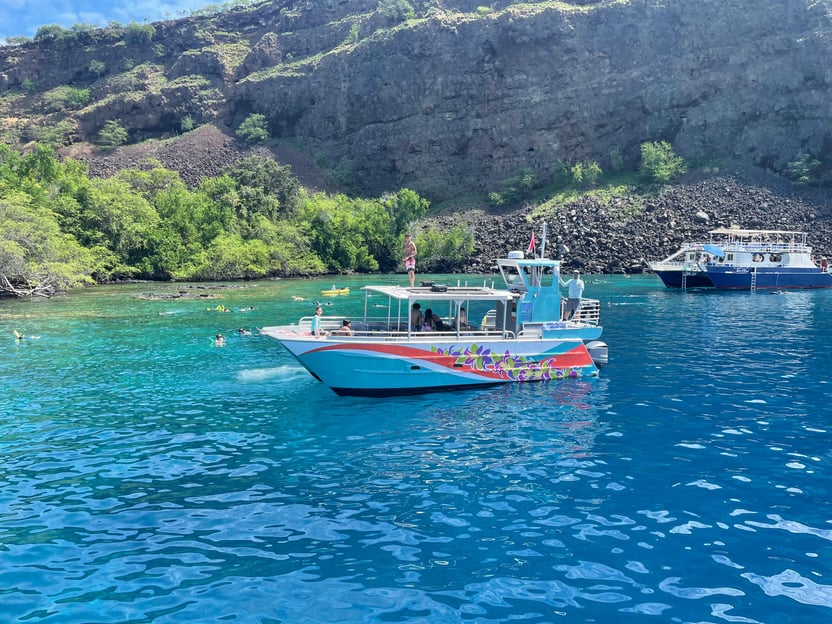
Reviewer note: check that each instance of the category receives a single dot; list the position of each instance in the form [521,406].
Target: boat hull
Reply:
[740,278]
[678,279]
[377,368]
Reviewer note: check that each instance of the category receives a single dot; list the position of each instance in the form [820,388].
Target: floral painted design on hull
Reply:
[511,367]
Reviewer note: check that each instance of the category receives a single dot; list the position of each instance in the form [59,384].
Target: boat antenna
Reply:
[543,242]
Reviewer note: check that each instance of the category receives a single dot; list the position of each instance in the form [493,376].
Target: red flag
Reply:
[531,244]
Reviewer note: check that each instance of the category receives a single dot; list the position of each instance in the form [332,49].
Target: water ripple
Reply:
[175,482]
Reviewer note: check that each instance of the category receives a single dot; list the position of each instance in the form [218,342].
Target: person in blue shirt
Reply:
[316,322]
[575,288]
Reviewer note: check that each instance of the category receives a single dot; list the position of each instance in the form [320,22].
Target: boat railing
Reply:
[382,329]
[769,247]
[421,336]
[676,265]
[589,312]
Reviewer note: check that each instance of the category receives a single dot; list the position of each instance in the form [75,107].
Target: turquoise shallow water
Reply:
[148,476]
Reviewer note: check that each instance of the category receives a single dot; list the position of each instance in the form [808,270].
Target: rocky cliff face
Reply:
[462,101]
[457,100]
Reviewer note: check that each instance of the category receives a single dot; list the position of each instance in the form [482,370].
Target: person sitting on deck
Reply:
[429,322]
[463,318]
[346,329]
[416,316]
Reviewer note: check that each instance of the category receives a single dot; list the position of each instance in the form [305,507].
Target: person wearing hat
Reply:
[575,288]
[410,258]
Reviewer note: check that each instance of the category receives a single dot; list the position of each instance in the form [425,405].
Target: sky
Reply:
[24,17]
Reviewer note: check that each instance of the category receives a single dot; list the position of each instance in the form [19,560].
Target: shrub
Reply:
[112,135]
[53,134]
[97,67]
[802,169]
[255,129]
[397,9]
[187,123]
[53,32]
[436,246]
[354,35]
[516,189]
[66,97]
[139,34]
[659,163]
[585,173]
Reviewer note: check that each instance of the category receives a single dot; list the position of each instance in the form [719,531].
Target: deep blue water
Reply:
[148,476]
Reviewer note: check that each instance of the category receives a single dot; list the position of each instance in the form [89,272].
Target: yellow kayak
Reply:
[334,292]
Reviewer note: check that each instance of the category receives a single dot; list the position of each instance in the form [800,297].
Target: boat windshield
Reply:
[525,276]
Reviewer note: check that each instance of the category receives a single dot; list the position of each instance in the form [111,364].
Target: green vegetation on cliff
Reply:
[60,228]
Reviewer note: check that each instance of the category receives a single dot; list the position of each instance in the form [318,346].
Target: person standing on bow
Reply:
[575,288]
[410,258]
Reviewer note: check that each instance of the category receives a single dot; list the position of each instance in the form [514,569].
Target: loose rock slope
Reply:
[600,237]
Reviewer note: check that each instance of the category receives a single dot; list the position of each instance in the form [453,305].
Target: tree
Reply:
[51,32]
[585,173]
[406,207]
[255,129]
[36,258]
[97,67]
[66,97]
[398,10]
[265,187]
[659,163]
[112,134]
[120,220]
[803,168]
[139,34]
[186,124]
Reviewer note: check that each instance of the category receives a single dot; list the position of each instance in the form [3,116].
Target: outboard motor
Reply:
[599,352]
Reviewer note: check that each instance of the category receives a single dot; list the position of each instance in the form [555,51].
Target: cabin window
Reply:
[758,257]
[774,258]
[512,276]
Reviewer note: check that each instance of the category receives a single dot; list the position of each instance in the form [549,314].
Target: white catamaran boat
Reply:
[522,336]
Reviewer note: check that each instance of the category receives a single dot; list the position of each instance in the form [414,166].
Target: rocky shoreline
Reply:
[597,236]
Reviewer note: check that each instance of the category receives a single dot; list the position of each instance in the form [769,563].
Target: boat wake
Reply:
[285,373]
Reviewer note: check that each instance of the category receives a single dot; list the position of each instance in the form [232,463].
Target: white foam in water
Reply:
[285,373]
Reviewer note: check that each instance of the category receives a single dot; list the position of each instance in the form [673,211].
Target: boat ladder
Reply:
[684,280]
[754,278]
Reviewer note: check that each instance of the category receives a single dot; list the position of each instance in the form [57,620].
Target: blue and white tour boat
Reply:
[766,259]
[521,337]
[743,259]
